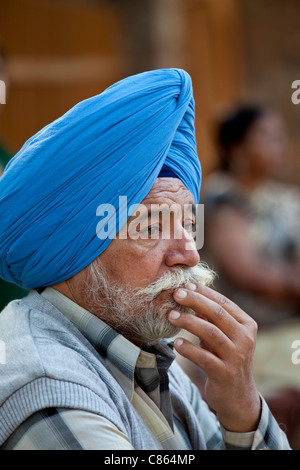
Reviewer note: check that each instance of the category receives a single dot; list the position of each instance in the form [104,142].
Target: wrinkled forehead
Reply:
[168,190]
[167,196]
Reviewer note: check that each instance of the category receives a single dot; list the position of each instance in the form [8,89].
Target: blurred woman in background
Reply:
[252,237]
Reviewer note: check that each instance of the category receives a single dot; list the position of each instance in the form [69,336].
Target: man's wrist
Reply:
[246,420]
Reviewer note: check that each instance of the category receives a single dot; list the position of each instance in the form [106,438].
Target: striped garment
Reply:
[143,376]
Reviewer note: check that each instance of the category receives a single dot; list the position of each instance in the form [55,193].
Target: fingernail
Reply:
[191,286]
[178,342]
[174,315]
[181,294]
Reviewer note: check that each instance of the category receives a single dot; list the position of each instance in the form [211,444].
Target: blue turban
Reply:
[113,144]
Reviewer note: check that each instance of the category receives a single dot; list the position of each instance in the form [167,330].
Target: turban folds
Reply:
[113,144]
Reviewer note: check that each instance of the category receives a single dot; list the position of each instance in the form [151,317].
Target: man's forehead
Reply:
[168,189]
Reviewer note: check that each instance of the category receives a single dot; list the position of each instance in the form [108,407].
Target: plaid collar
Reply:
[147,367]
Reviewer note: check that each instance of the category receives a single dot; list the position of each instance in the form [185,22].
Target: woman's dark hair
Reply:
[2,57]
[232,130]
[2,52]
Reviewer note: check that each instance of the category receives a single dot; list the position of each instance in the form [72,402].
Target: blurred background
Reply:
[62,51]
[55,53]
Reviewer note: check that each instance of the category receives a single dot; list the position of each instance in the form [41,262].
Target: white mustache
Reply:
[176,278]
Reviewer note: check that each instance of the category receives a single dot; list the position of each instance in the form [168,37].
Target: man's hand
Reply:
[225,354]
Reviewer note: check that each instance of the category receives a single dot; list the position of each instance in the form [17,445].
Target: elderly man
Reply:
[85,359]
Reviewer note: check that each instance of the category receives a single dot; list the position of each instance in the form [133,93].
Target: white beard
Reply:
[139,314]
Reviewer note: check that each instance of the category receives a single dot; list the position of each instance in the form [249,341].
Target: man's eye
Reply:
[190,226]
[153,231]
[149,232]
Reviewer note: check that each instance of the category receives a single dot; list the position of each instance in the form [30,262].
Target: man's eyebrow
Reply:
[149,213]
[152,212]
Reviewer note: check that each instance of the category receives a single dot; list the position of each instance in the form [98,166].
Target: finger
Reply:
[203,358]
[234,310]
[213,337]
[210,310]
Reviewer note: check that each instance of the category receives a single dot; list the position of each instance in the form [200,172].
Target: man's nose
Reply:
[182,251]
